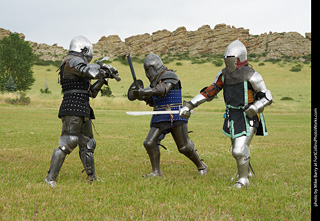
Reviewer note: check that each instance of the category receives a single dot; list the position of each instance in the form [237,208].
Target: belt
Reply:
[76,91]
[167,106]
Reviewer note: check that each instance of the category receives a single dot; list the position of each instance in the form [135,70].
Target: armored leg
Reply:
[86,150]
[152,148]
[57,160]
[186,147]
[87,159]
[241,152]
[69,139]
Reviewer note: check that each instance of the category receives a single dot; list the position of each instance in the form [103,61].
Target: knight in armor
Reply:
[245,95]
[164,93]
[75,112]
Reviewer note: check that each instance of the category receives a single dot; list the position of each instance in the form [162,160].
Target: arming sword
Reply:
[141,113]
[132,70]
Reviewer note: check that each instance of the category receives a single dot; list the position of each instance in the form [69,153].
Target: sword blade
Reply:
[141,113]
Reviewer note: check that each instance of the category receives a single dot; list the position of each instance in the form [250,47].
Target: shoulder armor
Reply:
[257,82]
[76,61]
[169,77]
[217,77]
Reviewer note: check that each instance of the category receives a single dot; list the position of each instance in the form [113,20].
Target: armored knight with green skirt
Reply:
[245,96]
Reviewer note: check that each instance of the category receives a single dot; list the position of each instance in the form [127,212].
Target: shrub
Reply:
[296,68]
[218,62]
[106,91]
[286,99]
[23,100]
[45,91]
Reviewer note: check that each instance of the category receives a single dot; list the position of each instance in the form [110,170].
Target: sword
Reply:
[141,113]
[131,69]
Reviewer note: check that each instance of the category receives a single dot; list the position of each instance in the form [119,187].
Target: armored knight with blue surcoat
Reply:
[164,93]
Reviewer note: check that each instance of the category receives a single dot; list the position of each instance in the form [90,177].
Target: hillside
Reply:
[204,40]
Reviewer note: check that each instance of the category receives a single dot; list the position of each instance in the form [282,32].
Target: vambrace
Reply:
[160,90]
[188,106]
[211,91]
[258,106]
[91,71]
[95,88]
[197,100]
[263,94]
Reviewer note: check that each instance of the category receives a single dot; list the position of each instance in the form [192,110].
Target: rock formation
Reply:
[204,40]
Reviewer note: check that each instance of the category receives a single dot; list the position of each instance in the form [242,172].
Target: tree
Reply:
[16,61]
[10,85]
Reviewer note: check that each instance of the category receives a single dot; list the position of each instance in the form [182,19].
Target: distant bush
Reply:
[218,62]
[286,99]
[179,64]
[261,64]
[45,91]
[122,61]
[296,68]
[272,60]
[307,57]
[22,100]
[106,91]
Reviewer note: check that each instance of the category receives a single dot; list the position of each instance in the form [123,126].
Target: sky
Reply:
[59,21]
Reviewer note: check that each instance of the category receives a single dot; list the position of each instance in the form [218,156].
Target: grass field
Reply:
[282,160]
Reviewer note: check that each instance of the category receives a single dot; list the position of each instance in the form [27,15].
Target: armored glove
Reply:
[187,108]
[185,111]
[141,93]
[258,106]
[110,72]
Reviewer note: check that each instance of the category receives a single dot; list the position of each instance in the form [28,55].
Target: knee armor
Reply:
[67,143]
[241,154]
[91,145]
[187,149]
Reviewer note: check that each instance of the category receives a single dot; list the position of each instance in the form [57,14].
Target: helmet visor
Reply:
[230,62]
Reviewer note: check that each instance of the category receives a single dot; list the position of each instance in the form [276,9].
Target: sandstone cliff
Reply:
[206,40]
[203,40]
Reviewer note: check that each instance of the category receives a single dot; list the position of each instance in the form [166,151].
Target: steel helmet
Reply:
[235,55]
[82,45]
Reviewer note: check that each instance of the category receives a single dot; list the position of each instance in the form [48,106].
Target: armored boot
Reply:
[57,160]
[154,156]
[243,171]
[194,157]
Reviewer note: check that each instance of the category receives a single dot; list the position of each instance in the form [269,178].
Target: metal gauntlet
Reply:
[188,106]
[142,92]
[258,106]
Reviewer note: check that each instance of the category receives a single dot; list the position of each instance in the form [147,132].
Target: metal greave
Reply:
[57,160]
[87,160]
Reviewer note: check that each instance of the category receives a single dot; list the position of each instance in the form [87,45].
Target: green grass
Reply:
[282,160]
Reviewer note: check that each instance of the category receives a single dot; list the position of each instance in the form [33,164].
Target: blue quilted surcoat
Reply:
[172,101]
